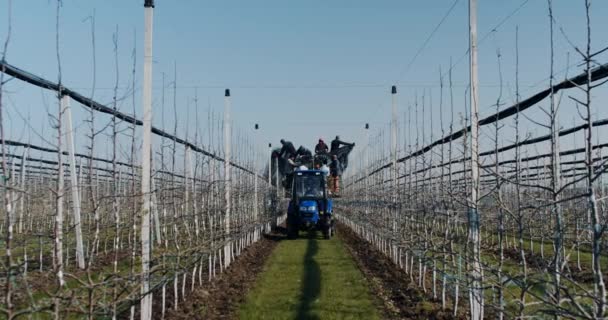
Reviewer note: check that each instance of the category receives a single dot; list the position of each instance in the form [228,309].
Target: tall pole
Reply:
[146,301]
[190,186]
[394,153]
[67,112]
[276,173]
[366,164]
[228,182]
[255,173]
[476,290]
[270,165]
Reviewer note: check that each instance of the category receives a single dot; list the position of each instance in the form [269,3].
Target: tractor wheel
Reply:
[292,231]
[327,232]
[328,228]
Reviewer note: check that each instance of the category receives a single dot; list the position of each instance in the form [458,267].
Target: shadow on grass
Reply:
[311,280]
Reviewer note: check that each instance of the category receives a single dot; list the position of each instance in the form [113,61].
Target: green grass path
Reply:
[310,278]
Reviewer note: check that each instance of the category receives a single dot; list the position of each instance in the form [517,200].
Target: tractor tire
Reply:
[292,231]
[327,232]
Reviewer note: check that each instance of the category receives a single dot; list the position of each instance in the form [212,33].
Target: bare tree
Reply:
[5,176]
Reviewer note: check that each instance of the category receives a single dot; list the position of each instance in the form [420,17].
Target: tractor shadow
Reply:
[311,280]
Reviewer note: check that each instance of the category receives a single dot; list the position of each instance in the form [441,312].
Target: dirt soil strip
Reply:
[401,298]
[220,298]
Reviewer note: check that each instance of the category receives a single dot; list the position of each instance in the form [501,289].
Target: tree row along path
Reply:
[311,278]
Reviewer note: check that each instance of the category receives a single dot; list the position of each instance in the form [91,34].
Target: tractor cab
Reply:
[309,208]
[309,184]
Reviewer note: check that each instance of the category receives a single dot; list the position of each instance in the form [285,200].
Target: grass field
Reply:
[310,278]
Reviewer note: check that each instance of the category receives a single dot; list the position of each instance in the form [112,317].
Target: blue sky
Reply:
[301,69]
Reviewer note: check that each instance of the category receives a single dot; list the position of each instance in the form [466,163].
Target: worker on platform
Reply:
[335,171]
[288,150]
[303,151]
[321,147]
[336,143]
[325,169]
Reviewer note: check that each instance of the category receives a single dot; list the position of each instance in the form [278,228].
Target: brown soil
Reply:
[400,298]
[220,298]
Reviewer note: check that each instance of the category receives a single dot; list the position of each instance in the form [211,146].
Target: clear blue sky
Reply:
[302,69]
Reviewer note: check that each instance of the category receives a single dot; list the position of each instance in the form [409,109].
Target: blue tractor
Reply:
[309,208]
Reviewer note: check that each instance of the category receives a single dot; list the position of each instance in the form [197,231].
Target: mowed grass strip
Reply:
[310,278]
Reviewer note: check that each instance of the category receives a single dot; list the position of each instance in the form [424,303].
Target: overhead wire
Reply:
[488,34]
[511,14]
[426,42]
[418,52]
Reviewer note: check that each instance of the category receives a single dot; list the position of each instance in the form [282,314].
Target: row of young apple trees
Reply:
[532,242]
[135,230]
